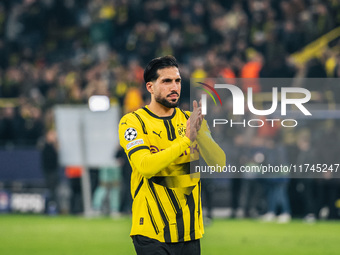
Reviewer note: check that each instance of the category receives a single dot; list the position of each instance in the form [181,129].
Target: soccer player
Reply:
[161,141]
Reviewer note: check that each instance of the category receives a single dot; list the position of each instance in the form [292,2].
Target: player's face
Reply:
[167,88]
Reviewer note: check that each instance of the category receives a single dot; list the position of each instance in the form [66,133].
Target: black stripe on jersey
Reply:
[171,202]
[138,187]
[137,149]
[170,130]
[152,218]
[167,236]
[157,117]
[179,213]
[191,204]
[160,180]
[186,115]
[141,122]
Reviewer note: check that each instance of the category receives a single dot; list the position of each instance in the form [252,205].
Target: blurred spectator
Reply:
[277,185]
[74,173]
[50,166]
[315,69]
[106,198]
[328,184]
[306,155]
[125,205]
[251,192]
[251,72]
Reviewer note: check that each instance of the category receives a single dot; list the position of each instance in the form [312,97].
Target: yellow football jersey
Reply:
[166,197]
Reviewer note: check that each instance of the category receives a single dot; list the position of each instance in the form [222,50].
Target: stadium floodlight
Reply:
[99,103]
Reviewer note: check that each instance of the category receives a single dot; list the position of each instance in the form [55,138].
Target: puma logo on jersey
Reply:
[159,135]
[124,123]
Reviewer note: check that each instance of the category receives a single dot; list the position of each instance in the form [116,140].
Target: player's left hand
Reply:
[197,116]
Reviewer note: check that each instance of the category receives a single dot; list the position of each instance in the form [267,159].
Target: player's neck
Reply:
[160,110]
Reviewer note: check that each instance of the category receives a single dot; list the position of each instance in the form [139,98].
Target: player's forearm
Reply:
[209,149]
[150,164]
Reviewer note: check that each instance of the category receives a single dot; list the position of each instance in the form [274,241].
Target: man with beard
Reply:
[161,141]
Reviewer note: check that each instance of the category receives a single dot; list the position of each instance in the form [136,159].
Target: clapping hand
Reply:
[194,122]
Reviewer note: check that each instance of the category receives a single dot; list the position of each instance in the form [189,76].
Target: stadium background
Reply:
[62,52]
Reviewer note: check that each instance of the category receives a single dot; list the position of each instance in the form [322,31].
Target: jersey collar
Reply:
[145,108]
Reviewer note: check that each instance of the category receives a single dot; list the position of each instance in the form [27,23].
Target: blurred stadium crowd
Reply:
[63,51]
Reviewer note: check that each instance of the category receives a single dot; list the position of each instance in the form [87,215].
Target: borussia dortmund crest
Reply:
[181,130]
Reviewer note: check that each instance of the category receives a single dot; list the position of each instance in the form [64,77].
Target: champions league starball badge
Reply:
[130,134]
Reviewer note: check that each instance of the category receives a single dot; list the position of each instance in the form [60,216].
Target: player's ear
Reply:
[149,86]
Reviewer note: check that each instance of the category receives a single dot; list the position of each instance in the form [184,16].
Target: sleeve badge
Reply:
[130,134]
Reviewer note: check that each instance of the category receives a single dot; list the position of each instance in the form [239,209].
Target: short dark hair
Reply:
[150,71]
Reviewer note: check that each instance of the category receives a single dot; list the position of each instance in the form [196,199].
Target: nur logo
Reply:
[239,99]
[205,87]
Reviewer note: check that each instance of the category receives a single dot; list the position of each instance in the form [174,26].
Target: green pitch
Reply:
[45,235]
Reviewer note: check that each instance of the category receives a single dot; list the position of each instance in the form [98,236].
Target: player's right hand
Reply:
[194,122]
